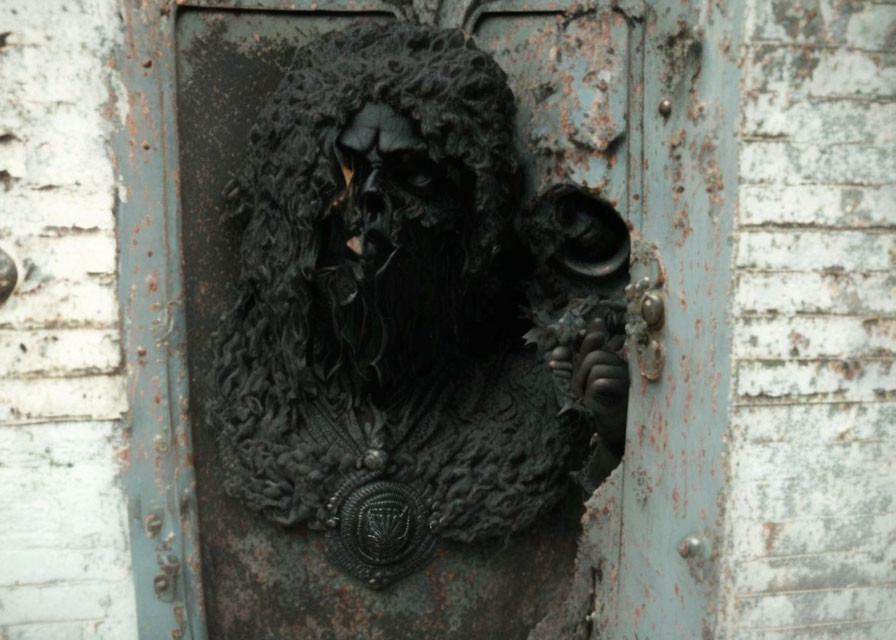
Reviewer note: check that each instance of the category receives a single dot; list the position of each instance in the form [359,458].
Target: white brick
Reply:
[801,573]
[780,500]
[59,352]
[855,604]
[813,292]
[33,211]
[61,444]
[799,466]
[814,337]
[91,302]
[830,122]
[858,630]
[60,602]
[61,501]
[821,205]
[866,25]
[77,82]
[780,162]
[809,536]
[872,27]
[52,164]
[51,564]
[67,255]
[96,397]
[47,630]
[790,74]
[809,250]
[815,426]
[858,380]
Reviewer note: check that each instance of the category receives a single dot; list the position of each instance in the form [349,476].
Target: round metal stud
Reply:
[665,107]
[375,459]
[690,546]
[653,310]
[9,276]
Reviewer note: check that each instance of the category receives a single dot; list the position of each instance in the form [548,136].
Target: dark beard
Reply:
[390,323]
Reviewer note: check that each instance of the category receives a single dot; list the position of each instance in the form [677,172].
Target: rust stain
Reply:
[683,226]
[849,369]
[771,531]
[152,281]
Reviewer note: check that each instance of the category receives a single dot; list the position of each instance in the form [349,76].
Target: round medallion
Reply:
[380,533]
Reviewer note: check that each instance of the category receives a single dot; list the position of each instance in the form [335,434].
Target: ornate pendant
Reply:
[379,530]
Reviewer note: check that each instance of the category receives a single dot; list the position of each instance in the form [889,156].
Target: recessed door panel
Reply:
[571,73]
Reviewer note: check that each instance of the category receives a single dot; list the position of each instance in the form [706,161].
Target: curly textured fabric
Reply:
[478,436]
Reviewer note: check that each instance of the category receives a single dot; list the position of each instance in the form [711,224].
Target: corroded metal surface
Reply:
[674,473]
[221,57]
[159,467]
[419,373]
[258,576]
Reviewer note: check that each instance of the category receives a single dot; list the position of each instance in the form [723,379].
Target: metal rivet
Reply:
[665,107]
[652,310]
[141,351]
[375,459]
[153,524]
[160,444]
[160,583]
[332,522]
[690,546]
[9,276]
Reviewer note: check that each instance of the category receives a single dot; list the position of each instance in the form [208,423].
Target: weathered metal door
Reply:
[574,70]
[577,71]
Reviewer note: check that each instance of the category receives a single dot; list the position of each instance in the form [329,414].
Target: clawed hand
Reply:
[598,376]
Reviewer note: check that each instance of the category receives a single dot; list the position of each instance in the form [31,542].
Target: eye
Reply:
[418,173]
[420,179]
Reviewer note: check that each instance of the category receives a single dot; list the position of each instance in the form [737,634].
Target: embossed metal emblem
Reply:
[379,531]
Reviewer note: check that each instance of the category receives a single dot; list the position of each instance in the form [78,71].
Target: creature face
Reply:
[394,254]
[399,199]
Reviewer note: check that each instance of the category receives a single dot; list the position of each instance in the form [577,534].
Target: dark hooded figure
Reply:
[371,379]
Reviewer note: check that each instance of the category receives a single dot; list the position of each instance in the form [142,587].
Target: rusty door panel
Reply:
[570,76]
[261,580]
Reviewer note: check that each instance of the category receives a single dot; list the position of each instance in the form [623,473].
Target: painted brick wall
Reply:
[811,512]
[65,567]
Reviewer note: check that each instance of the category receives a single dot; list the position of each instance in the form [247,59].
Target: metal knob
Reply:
[9,276]
[652,310]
